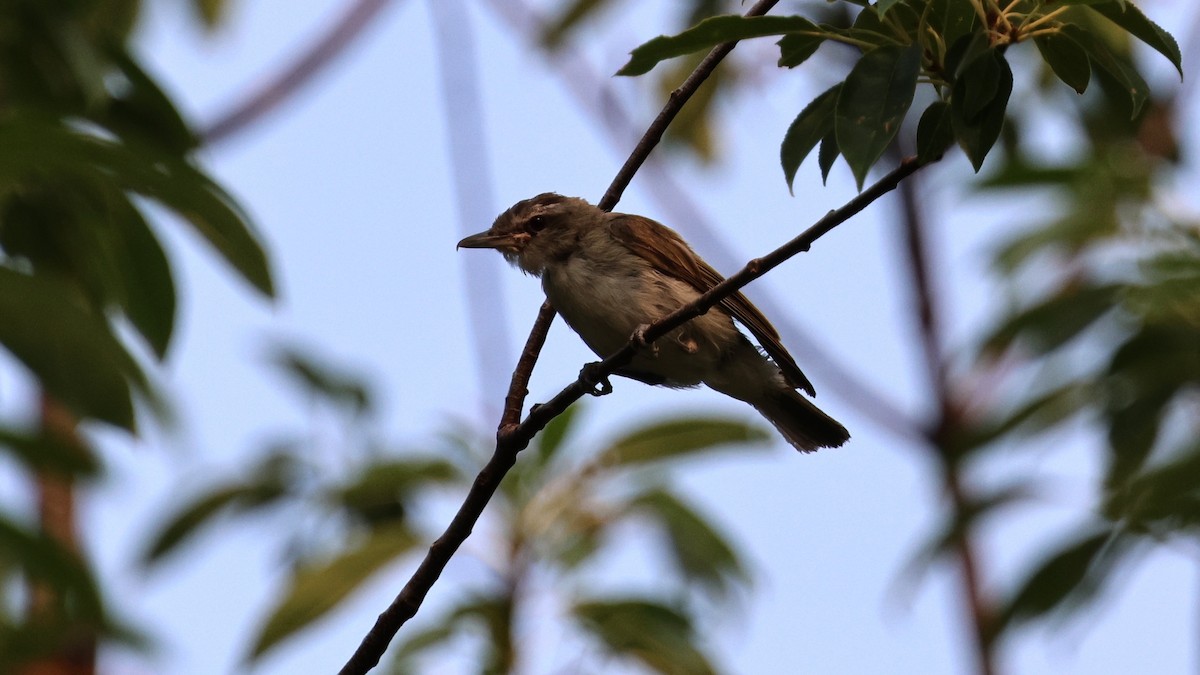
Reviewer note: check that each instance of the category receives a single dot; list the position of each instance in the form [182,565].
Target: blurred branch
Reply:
[56,507]
[288,82]
[597,97]
[511,440]
[947,419]
[469,171]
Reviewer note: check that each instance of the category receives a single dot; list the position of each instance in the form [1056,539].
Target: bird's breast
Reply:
[599,300]
[604,302]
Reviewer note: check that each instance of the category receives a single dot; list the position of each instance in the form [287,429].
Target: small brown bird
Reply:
[608,274]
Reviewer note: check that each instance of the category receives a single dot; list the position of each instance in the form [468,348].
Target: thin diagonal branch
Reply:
[518,387]
[409,600]
[598,98]
[541,415]
[510,440]
[674,104]
[288,82]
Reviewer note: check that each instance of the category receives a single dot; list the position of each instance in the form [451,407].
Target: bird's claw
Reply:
[639,338]
[596,383]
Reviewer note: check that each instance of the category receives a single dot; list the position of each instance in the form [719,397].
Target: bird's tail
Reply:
[801,423]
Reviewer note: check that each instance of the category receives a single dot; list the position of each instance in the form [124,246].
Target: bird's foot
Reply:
[596,382]
[639,338]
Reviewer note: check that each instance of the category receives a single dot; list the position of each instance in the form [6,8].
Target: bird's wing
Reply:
[670,254]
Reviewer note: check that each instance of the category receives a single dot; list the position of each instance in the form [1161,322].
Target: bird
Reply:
[609,275]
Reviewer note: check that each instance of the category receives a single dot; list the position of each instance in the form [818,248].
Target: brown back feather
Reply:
[663,248]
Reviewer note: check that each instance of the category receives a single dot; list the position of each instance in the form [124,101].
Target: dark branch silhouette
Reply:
[598,97]
[510,440]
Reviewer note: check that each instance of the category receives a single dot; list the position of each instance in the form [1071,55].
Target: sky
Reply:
[352,187]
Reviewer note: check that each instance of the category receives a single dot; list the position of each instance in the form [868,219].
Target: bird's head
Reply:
[537,232]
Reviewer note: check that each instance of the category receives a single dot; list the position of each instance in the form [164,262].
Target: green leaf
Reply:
[203,510]
[1128,16]
[1067,59]
[810,126]
[872,104]
[796,48]
[139,110]
[678,437]
[147,288]
[1067,578]
[383,490]
[1146,373]
[1164,497]
[70,350]
[1118,67]
[1039,413]
[710,33]
[335,385]
[964,53]
[548,443]
[35,147]
[43,559]
[415,644]
[827,155]
[38,452]
[977,134]
[952,19]
[699,551]
[882,6]
[659,636]
[935,132]
[978,85]
[1053,322]
[495,612]
[317,589]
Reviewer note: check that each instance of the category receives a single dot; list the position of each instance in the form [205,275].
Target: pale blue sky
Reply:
[351,187]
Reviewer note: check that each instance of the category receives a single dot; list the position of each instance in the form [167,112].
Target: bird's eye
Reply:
[537,223]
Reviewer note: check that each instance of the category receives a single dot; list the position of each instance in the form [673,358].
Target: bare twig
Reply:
[287,83]
[509,438]
[674,104]
[518,387]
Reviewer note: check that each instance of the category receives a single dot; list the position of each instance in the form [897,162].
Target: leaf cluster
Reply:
[90,141]
[1110,339]
[560,514]
[957,47]
[87,292]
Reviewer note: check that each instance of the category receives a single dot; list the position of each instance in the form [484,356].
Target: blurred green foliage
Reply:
[87,294]
[566,504]
[88,302]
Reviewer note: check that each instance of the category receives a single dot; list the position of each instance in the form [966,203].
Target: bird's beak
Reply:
[487,240]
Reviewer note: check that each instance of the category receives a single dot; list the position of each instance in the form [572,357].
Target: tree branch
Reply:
[541,415]
[597,97]
[674,104]
[508,437]
[510,440]
[947,420]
